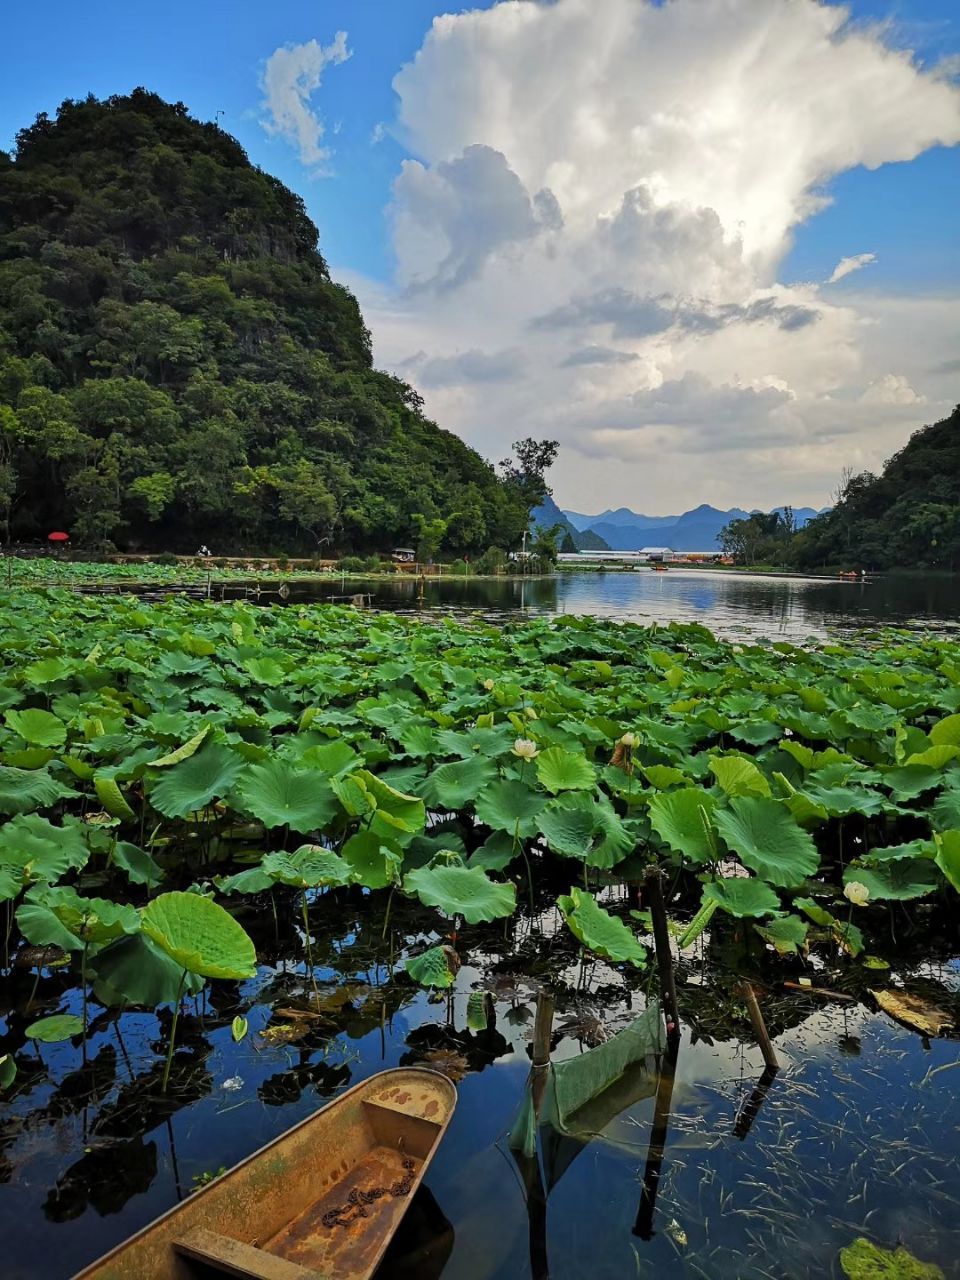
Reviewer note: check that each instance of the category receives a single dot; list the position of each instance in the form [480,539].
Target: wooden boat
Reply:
[321,1202]
[658,567]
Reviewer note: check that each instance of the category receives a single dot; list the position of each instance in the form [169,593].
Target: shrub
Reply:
[166,557]
[493,560]
[460,568]
[352,564]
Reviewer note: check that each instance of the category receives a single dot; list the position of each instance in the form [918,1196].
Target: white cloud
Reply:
[597,210]
[892,388]
[290,78]
[847,266]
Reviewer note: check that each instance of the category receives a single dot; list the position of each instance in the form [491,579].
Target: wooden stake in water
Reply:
[543,1029]
[759,1027]
[661,937]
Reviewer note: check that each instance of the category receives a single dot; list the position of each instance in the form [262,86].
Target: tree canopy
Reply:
[177,366]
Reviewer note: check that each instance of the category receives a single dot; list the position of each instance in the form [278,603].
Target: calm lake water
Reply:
[730,604]
[758,1178]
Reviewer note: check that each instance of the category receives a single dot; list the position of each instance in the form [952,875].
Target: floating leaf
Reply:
[58,1027]
[239,1028]
[465,891]
[200,936]
[600,932]
[8,1070]
[767,840]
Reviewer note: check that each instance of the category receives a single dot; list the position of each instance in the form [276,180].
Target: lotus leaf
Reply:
[786,934]
[61,917]
[281,795]
[309,867]
[372,860]
[600,932]
[40,728]
[684,821]
[182,753]
[510,806]
[191,785]
[451,786]
[948,856]
[465,891]
[743,896]
[895,881]
[31,848]
[763,833]
[8,1070]
[430,968]
[112,798]
[560,770]
[394,809]
[199,935]
[23,790]
[134,970]
[739,777]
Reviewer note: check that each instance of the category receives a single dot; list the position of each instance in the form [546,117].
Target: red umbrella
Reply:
[58,537]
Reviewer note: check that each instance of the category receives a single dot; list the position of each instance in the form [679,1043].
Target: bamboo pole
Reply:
[661,935]
[759,1027]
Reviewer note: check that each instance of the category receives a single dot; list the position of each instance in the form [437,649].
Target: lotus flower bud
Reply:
[630,740]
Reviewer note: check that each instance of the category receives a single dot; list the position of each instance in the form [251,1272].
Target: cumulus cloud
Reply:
[290,78]
[892,388]
[847,266]
[591,226]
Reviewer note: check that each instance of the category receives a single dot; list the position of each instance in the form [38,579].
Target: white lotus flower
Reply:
[525,749]
[488,685]
[857,893]
[630,740]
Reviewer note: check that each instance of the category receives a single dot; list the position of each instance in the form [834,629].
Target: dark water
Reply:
[734,605]
[857,1134]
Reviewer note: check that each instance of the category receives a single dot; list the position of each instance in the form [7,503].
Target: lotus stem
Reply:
[173,1032]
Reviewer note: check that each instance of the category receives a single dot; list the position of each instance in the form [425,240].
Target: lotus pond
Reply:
[250,855]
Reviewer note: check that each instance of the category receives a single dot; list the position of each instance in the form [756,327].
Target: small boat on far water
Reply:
[658,566]
[321,1202]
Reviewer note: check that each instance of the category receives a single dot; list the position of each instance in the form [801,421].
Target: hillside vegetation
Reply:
[908,516]
[177,366]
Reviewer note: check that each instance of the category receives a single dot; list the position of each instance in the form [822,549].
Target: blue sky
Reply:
[606,241]
[210,54]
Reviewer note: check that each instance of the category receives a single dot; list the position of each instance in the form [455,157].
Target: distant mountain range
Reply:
[549,514]
[625,530]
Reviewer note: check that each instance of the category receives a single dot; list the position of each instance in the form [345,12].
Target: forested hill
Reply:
[176,365]
[908,516]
